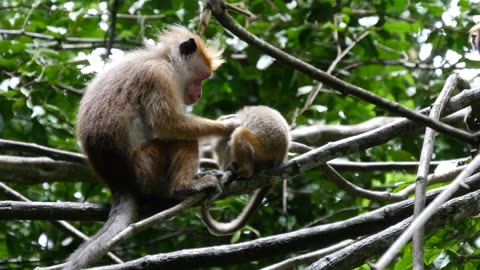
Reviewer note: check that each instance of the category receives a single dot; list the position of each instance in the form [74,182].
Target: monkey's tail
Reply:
[221,228]
[122,213]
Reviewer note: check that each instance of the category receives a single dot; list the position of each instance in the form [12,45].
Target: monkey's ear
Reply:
[188,47]
[474,41]
[474,37]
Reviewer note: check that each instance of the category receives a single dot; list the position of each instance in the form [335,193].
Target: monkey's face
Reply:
[196,68]
[193,92]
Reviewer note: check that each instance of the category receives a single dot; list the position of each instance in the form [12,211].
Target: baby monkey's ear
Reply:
[188,47]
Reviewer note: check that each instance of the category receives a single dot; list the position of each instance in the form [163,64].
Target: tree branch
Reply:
[63,225]
[41,150]
[113,17]
[218,10]
[424,165]
[35,170]
[359,252]
[427,214]
[320,155]
[14,210]
[307,258]
[320,134]
[316,237]
[63,39]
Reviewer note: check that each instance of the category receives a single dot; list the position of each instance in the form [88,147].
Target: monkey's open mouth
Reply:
[193,93]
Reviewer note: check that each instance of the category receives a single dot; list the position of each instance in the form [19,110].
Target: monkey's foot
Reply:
[217,173]
[211,183]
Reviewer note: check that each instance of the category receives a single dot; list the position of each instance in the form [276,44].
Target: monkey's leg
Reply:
[183,168]
[244,145]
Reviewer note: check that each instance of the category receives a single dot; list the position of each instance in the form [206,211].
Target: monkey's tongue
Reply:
[194,93]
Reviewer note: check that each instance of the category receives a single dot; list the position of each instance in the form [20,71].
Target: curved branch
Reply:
[41,150]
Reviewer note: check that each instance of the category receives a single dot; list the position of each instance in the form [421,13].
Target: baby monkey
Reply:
[261,142]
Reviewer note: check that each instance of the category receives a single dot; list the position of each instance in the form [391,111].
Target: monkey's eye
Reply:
[188,47]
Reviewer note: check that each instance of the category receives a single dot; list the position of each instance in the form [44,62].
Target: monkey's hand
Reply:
[215,185]
[226,117]
[231,123]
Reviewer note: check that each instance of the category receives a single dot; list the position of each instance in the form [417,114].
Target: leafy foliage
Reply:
[410,49]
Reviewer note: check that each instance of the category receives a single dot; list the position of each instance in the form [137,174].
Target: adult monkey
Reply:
[132,127]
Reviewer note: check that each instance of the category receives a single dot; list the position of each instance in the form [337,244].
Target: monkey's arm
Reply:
[186,127]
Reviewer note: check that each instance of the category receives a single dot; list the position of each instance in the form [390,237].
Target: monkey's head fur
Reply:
[474,37]
[188,54]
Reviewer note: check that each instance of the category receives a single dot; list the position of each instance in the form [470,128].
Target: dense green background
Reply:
[35,107]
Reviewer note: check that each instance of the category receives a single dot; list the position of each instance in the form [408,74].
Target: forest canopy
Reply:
[379,96]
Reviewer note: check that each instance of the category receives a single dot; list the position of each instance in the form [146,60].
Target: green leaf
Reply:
[401,26]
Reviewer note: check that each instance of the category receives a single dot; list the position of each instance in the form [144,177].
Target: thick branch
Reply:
[14,210]
[35,170]
[41,169]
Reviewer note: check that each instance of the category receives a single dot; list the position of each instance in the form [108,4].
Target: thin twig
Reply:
[113,17]
[25,22]
[307,258]
[426,214]
[384,196]
[386,165]
[41,150]
[340,55]
[333,176]
[204,20]
[63,39]
[240,10]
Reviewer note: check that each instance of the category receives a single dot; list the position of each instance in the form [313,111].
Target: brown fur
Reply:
[261,142]
[132,127]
